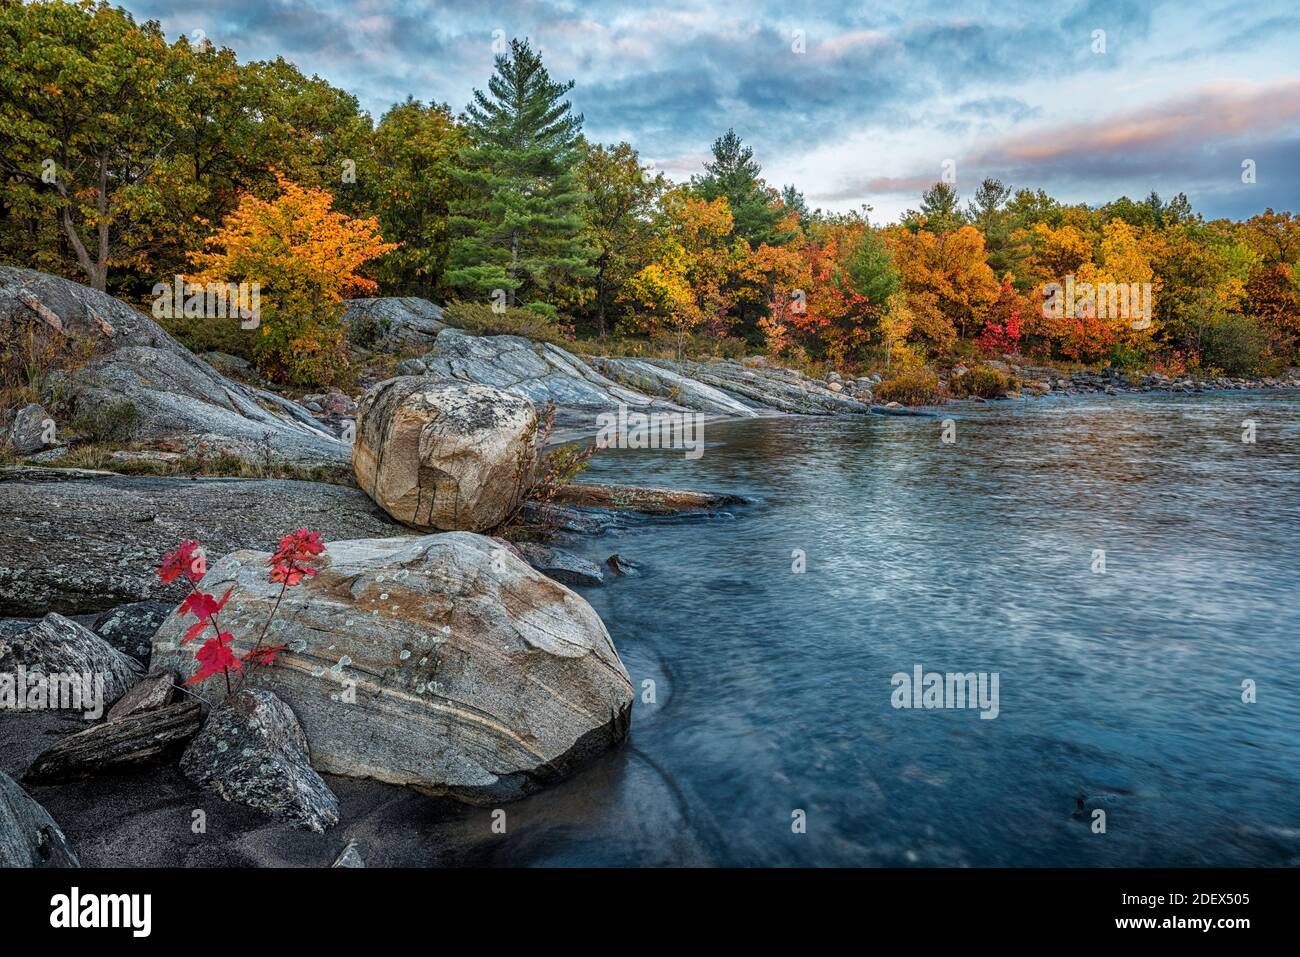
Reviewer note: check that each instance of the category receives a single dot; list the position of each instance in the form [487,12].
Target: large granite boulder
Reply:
[441,662]
[439,456]
[148,384]
[28,835]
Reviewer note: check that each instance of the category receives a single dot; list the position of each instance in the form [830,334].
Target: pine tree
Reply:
[520,229]
[735,174]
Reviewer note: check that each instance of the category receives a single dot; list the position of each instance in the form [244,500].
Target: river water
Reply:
[1121,686]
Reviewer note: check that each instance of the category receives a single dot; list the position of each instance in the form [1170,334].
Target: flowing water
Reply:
[1124,687]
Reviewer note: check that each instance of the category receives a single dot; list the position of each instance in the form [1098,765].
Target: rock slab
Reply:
[147,737]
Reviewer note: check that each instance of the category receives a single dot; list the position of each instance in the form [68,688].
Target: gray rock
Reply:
[123,526]
[143,738]
[168,392]
[442,662]
[27,433]
[349,857]
[130,628]
[252,751]
[59,646]
[565,567]
[152,691]
[670,384]
[393,323]
[28,835]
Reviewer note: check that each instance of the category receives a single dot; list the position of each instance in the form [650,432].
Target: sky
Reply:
[853,103]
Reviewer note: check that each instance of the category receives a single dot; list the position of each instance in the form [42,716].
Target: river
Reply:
[1124,564]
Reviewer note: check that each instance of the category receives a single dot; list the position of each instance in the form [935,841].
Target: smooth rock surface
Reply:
[252,751]
[28,835]
[442,662]
[443,456]
[174,394]
[122,526]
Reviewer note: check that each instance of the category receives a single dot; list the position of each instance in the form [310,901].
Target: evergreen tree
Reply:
[520,229]
[735,175]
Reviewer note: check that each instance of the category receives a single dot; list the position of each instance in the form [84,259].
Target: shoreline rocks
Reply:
[58,646]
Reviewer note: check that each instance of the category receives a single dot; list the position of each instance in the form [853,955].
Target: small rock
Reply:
[622,566]
[152,692]
[27,434]
[144,456]
[349,857]
[564,567]
[28,835]
[50,455]
[253,751]
[835,386]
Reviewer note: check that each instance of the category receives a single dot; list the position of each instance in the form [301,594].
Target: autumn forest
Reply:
[129,159]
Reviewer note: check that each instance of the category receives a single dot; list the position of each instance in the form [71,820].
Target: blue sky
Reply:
[853,103]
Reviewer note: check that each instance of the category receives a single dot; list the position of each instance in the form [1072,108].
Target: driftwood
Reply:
[648,501]
[148,737]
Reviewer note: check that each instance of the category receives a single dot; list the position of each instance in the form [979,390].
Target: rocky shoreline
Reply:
[436,648]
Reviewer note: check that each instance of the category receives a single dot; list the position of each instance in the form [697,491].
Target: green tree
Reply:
[520,229]
[940,210]
[987,213]
[870,268]
[734,174]
[89,111]
[415,156]
[620,205]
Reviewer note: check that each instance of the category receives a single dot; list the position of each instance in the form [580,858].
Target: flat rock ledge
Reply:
[253,751]
[146,737]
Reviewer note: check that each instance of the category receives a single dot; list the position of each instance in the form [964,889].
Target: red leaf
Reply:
[214,657]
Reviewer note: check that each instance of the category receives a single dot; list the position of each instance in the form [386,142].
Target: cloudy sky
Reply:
[853,102]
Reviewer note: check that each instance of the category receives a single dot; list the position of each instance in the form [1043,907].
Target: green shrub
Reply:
[115,422]
[1233,344]
[480,319]
[917,387]
[982,382]
[201,335]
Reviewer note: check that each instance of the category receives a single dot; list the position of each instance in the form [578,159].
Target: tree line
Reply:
[127,160]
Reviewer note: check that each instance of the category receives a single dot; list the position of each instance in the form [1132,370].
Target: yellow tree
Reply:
[304,255]
[684,287]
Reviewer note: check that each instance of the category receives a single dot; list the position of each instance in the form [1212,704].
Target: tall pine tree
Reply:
[520,229]
[734,173]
